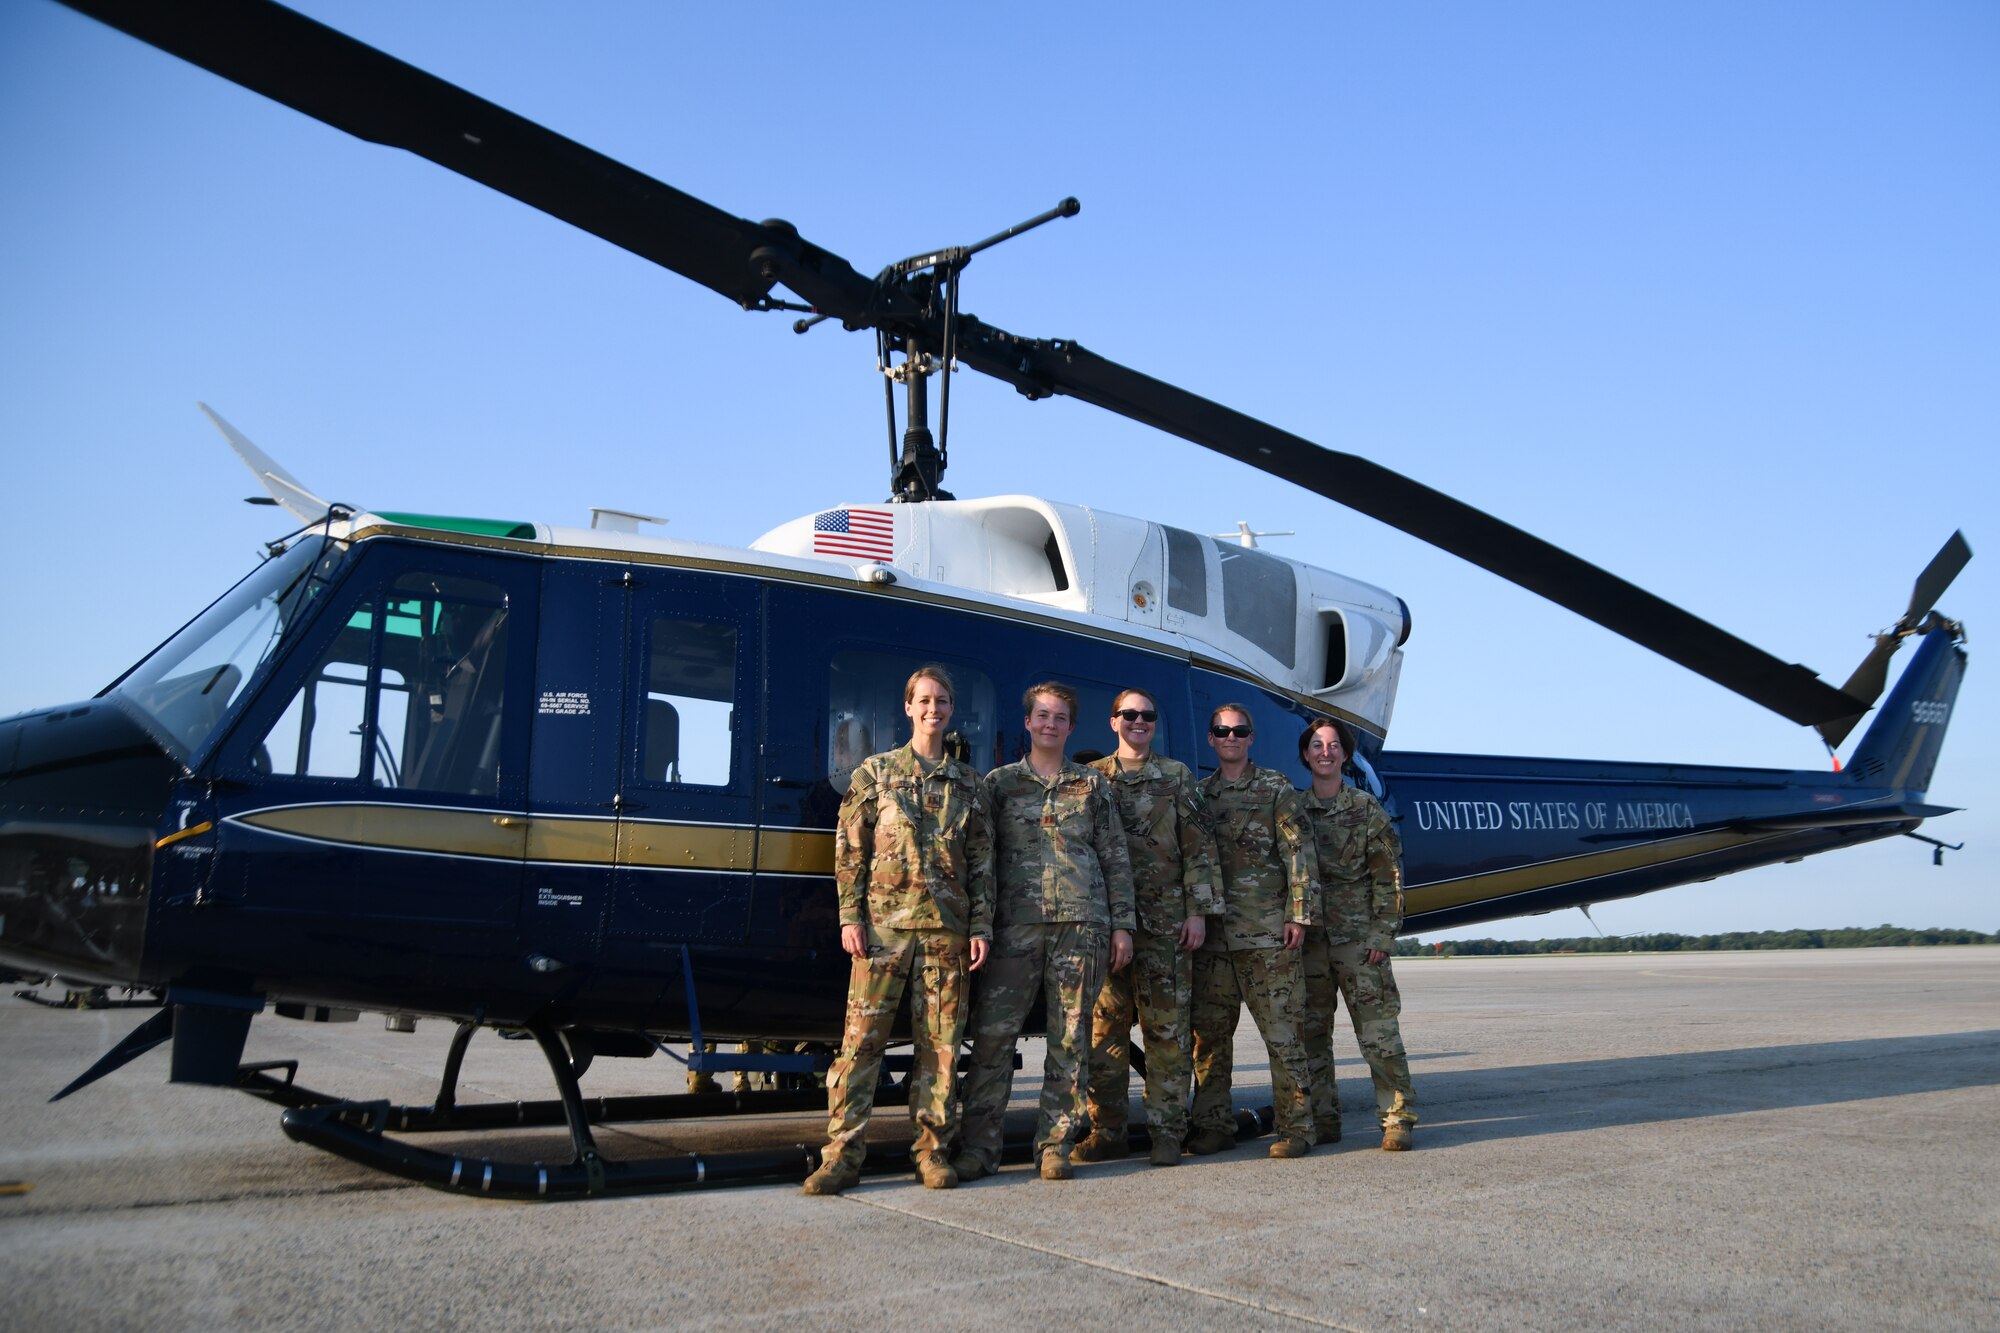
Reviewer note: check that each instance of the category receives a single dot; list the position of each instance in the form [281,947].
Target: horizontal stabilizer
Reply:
[279,484]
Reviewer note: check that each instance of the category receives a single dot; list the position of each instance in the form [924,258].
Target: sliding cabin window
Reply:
[688,730]
[865,710]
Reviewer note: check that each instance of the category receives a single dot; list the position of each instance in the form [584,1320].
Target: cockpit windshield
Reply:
[189,684]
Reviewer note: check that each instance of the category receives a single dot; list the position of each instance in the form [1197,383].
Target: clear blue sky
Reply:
[1706,293]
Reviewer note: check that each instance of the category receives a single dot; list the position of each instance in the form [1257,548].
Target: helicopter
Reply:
[572,781]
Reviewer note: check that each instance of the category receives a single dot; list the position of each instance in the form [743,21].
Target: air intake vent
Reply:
[1336,650]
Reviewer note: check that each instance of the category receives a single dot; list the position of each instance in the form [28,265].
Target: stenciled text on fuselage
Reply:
[1515,816]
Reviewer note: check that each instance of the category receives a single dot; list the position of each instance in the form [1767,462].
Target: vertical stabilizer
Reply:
[1901,746]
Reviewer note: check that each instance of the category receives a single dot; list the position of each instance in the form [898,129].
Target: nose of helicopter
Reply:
[83,789]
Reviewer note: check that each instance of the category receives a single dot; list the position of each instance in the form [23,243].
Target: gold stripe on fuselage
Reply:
[795,851]
[552,838]
[687,847]
[1569,870]
[399,828]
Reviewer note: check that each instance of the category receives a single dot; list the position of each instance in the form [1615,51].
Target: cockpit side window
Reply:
[409,694]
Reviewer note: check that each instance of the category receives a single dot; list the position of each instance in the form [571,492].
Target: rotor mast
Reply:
[916,472]
[930,283]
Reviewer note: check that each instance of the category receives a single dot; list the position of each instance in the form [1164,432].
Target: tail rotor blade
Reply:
[1866,685]
[1937,576]
[1872,676]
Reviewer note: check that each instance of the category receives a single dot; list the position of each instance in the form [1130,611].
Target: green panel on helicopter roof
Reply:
[477,527]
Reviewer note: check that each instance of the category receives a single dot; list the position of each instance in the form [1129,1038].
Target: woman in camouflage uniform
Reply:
[1347,953]
[1174,883]
[1265,852]
[1063,911]
[913,863]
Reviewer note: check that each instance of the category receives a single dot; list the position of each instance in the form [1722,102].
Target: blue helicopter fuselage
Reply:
[467,775]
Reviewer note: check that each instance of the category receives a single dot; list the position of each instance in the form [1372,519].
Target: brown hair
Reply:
[1234,708]
[932,671]
[1340,729]
[1055,687]
[1147,695]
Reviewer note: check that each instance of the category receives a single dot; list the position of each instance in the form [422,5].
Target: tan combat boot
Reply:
[1208,1140]
[1396,1137]
[1166,1150]
[1055,1166]
[1290,1145]
[936,1173]
[834,1177]
[1099,1146]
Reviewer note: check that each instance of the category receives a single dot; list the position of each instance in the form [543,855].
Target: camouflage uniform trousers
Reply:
[1272,983]
[1157,989]
[1334,971]
[1065,961]
[932,965]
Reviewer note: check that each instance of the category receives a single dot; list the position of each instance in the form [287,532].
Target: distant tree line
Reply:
[1844,937]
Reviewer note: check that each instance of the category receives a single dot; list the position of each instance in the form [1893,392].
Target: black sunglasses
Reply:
[1245,730]
[1136,715]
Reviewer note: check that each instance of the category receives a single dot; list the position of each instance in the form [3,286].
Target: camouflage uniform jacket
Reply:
[1360,868]
[913,850]
[1269,870]
[1060,849]
[1171,840]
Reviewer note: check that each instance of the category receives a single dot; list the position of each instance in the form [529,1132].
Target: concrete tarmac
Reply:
[1800,1140]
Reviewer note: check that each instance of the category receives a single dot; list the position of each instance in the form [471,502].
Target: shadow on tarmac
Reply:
[1480,1105]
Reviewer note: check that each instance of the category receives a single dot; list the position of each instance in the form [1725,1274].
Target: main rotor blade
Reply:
[1786,688]
[331,77]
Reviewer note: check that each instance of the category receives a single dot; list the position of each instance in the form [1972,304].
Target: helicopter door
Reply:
[375,792]
[687,797]
[643,787]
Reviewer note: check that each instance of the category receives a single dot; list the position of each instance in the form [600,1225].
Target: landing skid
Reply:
[92,997]
[359,1131]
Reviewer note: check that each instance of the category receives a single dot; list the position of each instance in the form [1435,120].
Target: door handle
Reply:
[512,821]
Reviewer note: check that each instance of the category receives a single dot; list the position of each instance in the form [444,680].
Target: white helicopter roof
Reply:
[1305,629]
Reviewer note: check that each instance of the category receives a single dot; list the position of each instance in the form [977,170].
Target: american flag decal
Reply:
[866,534]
